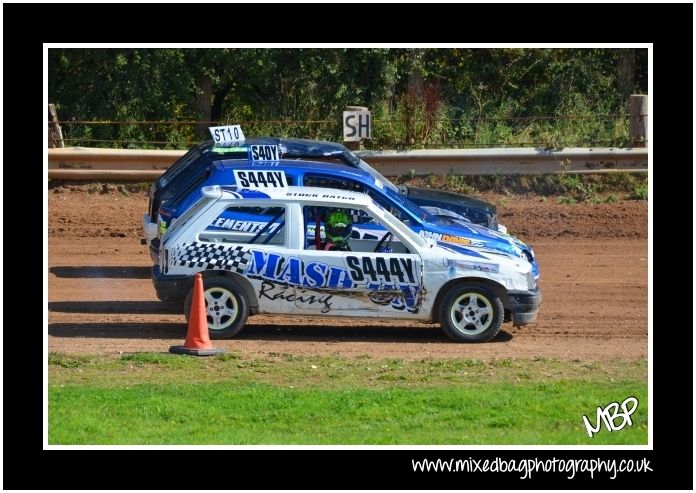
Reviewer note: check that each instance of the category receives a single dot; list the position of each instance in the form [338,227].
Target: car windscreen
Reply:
[198,158]
[376,174]
[417,211]
[180,165]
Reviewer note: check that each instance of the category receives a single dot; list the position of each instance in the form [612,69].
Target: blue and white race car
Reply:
[194,165]
[267,263]
[278,174]
[258,166]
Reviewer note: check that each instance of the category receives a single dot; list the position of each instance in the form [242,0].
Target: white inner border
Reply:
[651,143]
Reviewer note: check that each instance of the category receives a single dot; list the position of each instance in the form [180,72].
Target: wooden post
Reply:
[354,146]
[55,134]
[203,102]
[638,129]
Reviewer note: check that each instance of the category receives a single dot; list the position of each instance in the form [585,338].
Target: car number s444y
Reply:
[260,178]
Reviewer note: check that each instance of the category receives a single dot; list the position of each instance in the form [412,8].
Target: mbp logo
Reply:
[610,414]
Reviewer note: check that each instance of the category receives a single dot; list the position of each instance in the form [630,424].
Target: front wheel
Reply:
[226,306]
[471,313]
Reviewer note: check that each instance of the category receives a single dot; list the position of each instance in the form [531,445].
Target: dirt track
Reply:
[593,261]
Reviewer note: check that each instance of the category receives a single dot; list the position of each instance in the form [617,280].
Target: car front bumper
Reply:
[170,288]
[154,250]
[149,228]
[523,306]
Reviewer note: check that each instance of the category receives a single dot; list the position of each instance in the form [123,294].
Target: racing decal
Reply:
[293,271]
[450,239]
[231,134]
[260,179]
[381,269]
[315,195]
[390,282]
[385,282]
[375,271]
[223,222]
[229,150]
[265,164]
[210,256]
[244,193]
[400,297]
[264,153]
[272,291]
[460,249]
[469,265]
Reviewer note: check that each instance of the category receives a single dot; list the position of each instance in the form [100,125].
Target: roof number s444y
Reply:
[260,179]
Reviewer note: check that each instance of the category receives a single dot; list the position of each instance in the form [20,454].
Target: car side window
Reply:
[344,184]
[247,225]
[332,182]
[349,230]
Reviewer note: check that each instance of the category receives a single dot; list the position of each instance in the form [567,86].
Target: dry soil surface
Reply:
[594,279]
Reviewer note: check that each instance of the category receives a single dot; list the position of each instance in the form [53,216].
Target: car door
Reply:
[359,281]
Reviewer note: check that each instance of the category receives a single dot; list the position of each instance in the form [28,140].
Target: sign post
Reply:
[357,125]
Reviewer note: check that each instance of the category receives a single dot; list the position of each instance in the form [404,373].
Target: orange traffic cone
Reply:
[197,341]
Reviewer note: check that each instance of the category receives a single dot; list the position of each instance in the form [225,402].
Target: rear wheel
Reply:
[226,306]
[471,313]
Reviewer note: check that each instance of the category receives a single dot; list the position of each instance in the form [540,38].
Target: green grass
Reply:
[153,398]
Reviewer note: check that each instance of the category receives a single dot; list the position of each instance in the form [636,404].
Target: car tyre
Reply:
[226,306]
[471,312]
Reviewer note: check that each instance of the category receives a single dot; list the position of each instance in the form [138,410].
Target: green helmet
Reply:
[338,227]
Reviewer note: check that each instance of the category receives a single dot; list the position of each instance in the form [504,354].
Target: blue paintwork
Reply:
[420,221]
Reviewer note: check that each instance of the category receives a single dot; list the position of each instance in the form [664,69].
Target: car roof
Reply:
[313,195]
[309,148]
[290,148]
[299,166]
[208,152]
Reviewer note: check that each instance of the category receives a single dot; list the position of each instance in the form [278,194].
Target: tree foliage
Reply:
[423,96]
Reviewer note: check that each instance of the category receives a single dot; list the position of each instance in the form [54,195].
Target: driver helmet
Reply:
[338,227]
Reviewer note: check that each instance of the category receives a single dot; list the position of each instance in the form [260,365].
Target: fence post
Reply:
[353,145]
[638,129]
[55,134]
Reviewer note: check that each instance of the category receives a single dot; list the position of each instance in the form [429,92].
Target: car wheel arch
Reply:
[242,282]
[497,288]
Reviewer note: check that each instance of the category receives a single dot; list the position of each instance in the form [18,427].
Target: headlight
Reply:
[528,255]
[531,283]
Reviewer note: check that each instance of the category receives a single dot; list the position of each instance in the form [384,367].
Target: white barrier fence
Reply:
[81,163]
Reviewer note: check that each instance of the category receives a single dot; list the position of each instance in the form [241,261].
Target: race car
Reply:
[273,267]
[278,174]
[194,164]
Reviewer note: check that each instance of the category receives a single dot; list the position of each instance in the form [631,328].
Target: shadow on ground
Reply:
[94,271]
[261,332]
[115,307]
